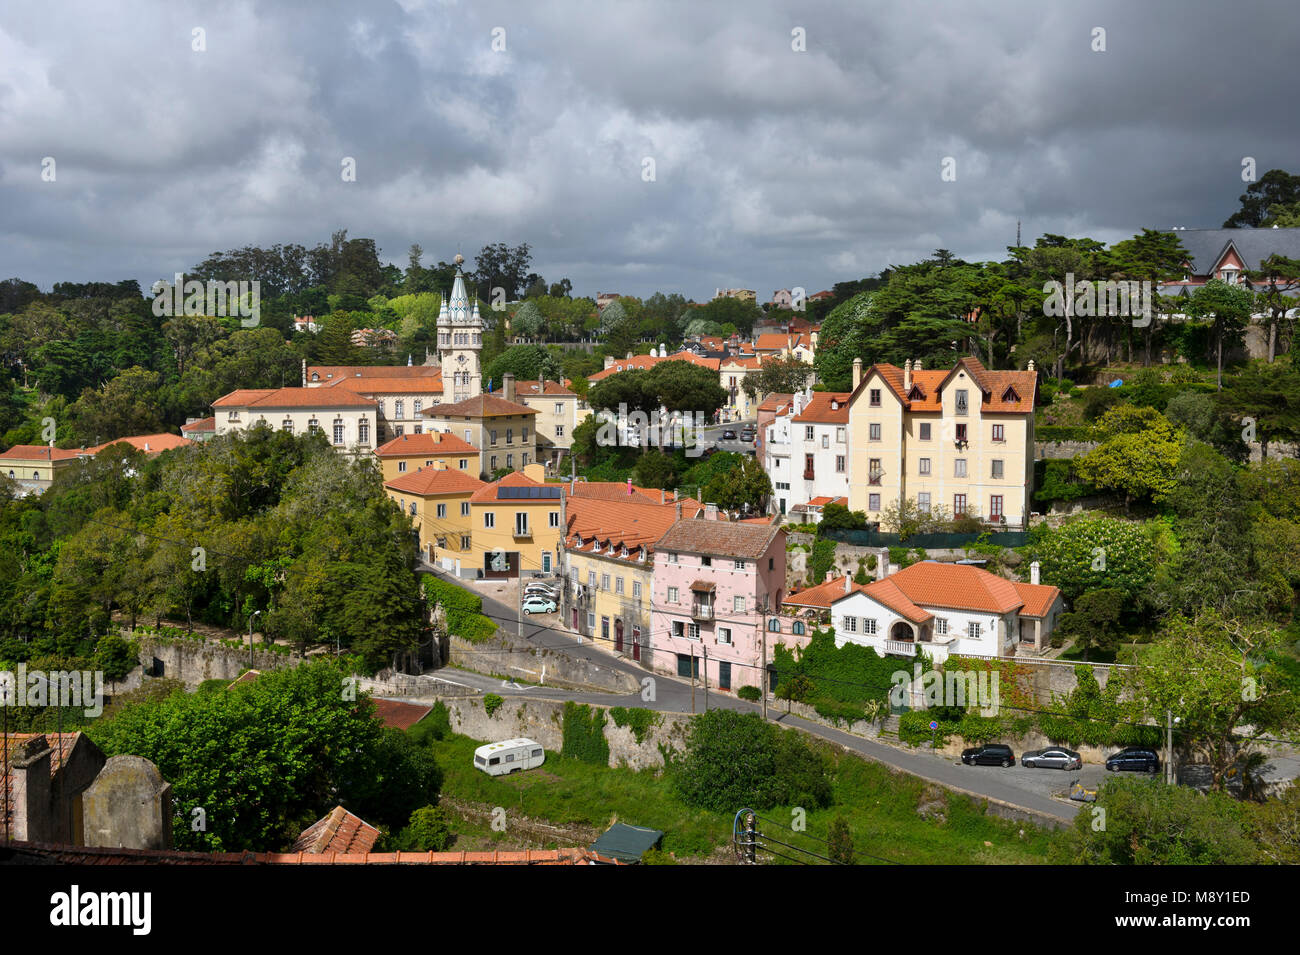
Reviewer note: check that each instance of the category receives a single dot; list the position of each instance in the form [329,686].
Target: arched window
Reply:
[774,625]
[36,475]
[412,508]
[419,405]
[797,628]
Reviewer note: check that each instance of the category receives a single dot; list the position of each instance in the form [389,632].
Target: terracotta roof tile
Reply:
[1038,598]
[826,407]
[430,442]
[957,587]
[39,452]
[480,406]
[398,714]
[425,385]
[339,832]
[725,539]
[200,426]
[822,595]
[430,481]
[277,398]
[151,443]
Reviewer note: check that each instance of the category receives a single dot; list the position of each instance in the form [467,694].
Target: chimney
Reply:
[679,510]
[848,583]
[857,373]
[1031,364]
[1033,572]
[830,575]
[609,362]
[304,372]
[710,512]
[508,385]
[882,564]
[662,498]
[907,375]
[916,365]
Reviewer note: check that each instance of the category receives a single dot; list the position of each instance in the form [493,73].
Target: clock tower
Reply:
[460,341]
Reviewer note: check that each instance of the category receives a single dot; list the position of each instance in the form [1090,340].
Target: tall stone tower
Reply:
[460,342]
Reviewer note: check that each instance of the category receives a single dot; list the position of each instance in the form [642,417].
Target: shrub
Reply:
[462,609]
[584,734]
[492,703]
[751,693]
[429,830]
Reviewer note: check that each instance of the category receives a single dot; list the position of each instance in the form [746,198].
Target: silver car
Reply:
[1053,757]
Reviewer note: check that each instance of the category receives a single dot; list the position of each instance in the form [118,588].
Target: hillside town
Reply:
[917,534]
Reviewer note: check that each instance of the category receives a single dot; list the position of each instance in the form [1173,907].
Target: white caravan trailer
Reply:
[509,756]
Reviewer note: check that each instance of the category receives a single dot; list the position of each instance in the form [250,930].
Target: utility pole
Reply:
[705,648]
[692,679]
[1169,747]
[762,668]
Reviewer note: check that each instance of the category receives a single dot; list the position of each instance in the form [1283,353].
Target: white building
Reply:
[806,452]
[946,609]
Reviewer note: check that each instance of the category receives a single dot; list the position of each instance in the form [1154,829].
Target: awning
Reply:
[703,586]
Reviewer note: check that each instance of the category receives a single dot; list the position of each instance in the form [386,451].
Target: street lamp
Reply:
[256,614]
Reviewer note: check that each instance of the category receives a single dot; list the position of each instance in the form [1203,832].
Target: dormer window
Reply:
[1010,395]
[962,404]
[916,394]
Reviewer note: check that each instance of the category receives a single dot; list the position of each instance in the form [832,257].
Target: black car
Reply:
[1134,759]
[1053,757]
[728,435]
[990,754]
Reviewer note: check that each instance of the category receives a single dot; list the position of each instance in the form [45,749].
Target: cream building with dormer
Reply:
[960,438]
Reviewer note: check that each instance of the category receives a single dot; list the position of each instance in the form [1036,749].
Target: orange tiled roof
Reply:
[779,341]
[488,492]
[200,426]
[152,443]
[480,406]
[1001,392]
[774,402]
[329,373]
[531,389]
[340,832]
[823,500]
[427,482]
[1038,598]
[431,442]
[822,595]
[398,714]
[954,586]
[819,409]
[373,385]
[722,538]
[39,452]
[277,398]
[61,746]
[643,362]
[618,491]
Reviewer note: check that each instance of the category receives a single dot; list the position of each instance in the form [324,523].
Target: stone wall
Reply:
[192,661]
[508,655]
[543,721]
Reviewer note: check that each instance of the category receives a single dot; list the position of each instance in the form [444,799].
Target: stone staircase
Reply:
[889,728]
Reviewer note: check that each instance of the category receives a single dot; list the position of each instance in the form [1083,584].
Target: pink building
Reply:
[716,584]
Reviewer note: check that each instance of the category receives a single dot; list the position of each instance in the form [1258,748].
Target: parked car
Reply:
[545,590]
[990,754]
[1053,757]
[747,434]
[728,435]
[536,603]
[1133,759]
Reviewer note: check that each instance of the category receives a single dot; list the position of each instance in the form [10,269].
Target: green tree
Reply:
[839,842]
[745,488]
[1094,552]
[1094,623]
[1276,187]
[429,830]
[1228,308]
[1138,456]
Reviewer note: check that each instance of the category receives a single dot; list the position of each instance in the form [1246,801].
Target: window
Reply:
[463,463]
[559,430]
[738,604]
[442,541]
[464,542]
[489,520]
[671,557]
[995,507]
[287,425]
[464,508]
[493,434]
[850,624]
[442,510]
[941,626]
[493,460]
[797,628]
[874,471]
[999,432]
[973,630]
[924,465]
[672,595]
[875,397]
[739,565]
[771,563]
[523,434]
[724,635]
[961,433]
[510,435]
[604,628]
[960,465]
[363,432]
[591,579]
[839,435]
[553,519]
[413,509]
[808,470]
[559,407]
[692,631]
[923,502]
[419,429]
[959,505]
[961,401]
[869,625]
[591,621]
[873,431]
[510,461]
[314,425]
[618,585]
[774,625]
[401,466]
[398,430]
[521,523]
[808,432]
[399,408]
[706,561]
[997,469]
[523,459]
[467,433]
[419,405]
[636,589]
[873,503]
[826,441]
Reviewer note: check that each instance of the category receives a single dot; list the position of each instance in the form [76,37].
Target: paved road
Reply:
[1018,786]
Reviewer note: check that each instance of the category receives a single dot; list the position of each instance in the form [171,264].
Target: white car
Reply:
[536,603]
[541,590]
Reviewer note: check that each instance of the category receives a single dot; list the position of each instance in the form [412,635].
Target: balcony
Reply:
[702,611]
[809,475]
[902,648]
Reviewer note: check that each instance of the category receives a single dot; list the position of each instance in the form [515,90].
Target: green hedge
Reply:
[584,734]
[462,609]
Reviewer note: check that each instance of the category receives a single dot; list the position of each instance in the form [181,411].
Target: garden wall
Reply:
[509,655]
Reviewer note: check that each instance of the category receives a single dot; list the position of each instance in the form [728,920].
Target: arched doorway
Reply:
[902,631]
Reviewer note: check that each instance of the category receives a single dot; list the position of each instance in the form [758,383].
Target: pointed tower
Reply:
[460,342]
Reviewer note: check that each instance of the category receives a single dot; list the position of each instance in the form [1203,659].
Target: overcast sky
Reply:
[772,168]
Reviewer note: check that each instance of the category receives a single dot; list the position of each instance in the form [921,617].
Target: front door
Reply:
[618,635]
[724,675]
[636,643]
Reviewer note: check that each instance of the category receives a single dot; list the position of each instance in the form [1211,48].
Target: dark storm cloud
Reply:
[773,167]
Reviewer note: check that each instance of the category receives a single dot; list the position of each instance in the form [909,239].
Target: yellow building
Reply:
[609,568]
[437,501]
[499,426]
[33,466]
[408,453]
[559,411]
[960,439]
[516,525]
